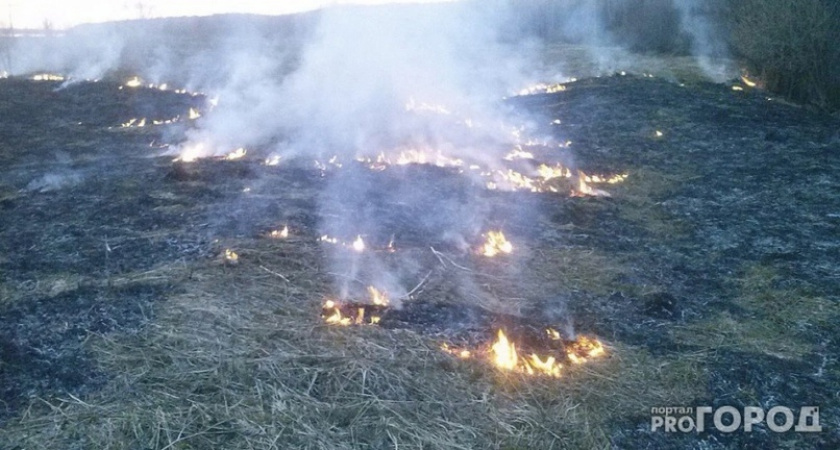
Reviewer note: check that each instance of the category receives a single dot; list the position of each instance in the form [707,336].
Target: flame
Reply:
[519,153]
[504,353]
[461,353]
[584,189]
[231,256]
[737,88]
[333,315]
[280,234]
[239,153]
[659,134]
[335,318]
[504,356]
[190,153]
[378,297]
[193,114]
[134,82]
[746,80]
[273,160]
[328,239]
[359,244]
[47,77]
[547,172]
[542,88]
[550,366]
[585,348]
[410,156]
[496,243]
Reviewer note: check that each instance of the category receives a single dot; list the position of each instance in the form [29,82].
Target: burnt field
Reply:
[145,303]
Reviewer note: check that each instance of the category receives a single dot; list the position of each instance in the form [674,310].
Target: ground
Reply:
[710,274]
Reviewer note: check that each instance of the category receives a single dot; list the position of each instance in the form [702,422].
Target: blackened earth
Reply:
[736,180]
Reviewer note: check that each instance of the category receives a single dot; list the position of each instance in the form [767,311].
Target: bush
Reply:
[792,45]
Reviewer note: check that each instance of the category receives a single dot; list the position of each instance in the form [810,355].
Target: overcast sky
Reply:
[67,13]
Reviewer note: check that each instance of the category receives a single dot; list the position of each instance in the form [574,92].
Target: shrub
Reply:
[792,45]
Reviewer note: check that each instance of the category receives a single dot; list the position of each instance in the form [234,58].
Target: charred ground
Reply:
[711,273]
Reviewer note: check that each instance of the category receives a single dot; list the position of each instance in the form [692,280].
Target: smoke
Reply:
[702,22]
[353,82]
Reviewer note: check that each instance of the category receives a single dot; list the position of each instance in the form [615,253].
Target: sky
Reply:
[68,13]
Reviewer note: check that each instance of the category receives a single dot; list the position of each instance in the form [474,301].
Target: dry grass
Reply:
[774,321]
[240,359]
[581,61]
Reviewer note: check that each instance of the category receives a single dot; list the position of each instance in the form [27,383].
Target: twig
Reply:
[275,273]
[439,255]
[435,252]
[418,285]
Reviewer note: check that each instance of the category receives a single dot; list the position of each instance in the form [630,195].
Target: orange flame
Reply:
[378,297]
[585,348]
[504,353]
[496,243]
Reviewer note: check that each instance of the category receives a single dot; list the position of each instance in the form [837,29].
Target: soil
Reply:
[733,211]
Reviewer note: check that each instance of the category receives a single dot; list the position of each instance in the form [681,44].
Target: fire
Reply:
[584,189]
[272,160]
[239,153]
[659,134]
[461,353]
[584,349]
[542,88]
[504,353]
[547,172]
[333,315]
[191,153]
[378,297]
[359,244]
[47,77]
[518,153]
[280,234]
[410,156]
[134,82]
[231,256]
[504,356]
[496,243]
[328,239]
[747,81]
[535,365]
[193,114]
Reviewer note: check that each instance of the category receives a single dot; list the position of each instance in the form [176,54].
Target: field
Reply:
[710,275]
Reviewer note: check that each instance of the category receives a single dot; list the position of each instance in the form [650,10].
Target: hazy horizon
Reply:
[41,14]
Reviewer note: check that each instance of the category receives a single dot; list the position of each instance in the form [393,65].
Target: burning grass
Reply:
[239,360]
[236,355]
